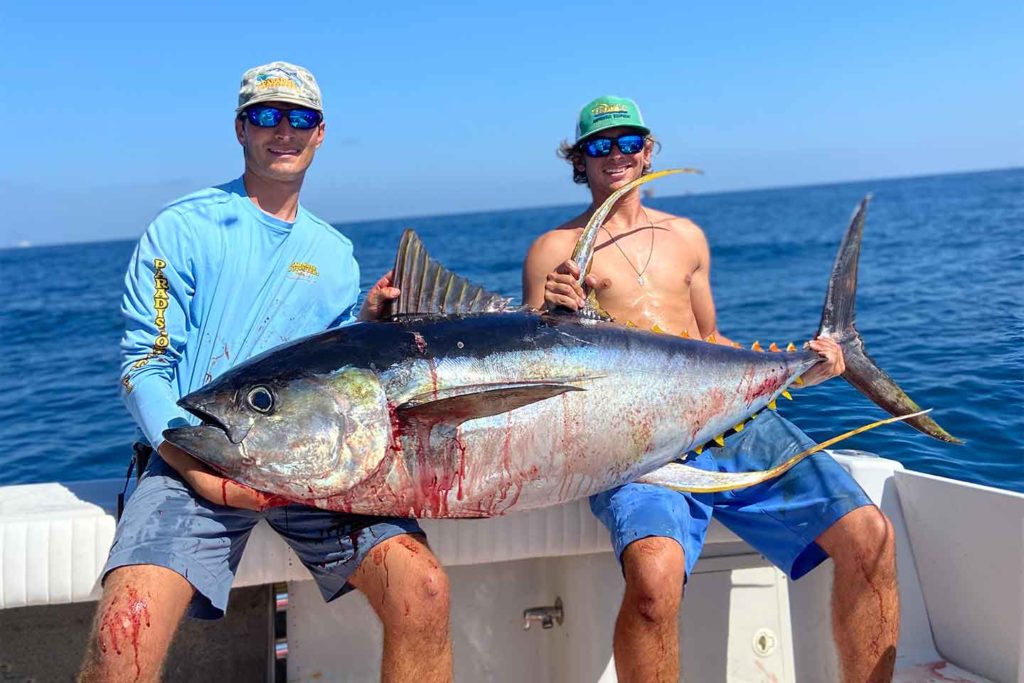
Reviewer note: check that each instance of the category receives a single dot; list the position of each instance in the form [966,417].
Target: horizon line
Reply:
[713,193]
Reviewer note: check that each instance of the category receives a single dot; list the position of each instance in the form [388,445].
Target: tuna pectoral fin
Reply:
[837,322]
[687,478]
[472,403]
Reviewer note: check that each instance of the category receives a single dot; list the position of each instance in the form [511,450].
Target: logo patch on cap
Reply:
[287,81]
[608,109]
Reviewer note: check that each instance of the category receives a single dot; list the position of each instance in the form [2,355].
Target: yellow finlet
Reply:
[799,381]
[791,347]
[698,450]
[738,428]
[720,440]
[771,405]
[684,334]
[774,347]
[785,392]
[630,323]
[732,481]
[711,339]
[737,345]
[657,330]
[756,346]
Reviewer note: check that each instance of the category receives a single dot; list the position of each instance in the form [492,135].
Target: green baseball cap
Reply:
[279,82]
[609,112]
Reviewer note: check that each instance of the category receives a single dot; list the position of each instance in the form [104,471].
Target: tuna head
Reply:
[303,437]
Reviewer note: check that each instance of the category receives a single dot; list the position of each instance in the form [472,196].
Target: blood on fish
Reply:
[709,407]
[767,387]
[395,444]
[433,376]
[421,343]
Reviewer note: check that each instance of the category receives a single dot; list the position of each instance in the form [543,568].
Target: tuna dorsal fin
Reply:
[430,288]
[469,403]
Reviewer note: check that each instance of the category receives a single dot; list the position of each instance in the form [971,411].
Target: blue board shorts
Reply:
[780,518]
[166,524]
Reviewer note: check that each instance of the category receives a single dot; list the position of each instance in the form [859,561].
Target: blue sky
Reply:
[116,108]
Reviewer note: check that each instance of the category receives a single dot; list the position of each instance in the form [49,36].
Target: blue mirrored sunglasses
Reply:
[602,147]
[268,117]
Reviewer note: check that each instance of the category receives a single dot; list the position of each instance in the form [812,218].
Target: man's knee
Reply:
[410,589]
[431,592]
[864,536]
[136,618]
[655,570]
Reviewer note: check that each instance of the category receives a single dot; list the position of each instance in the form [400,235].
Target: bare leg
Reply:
[137,616]
[865,599]
[408,590]
[646,643]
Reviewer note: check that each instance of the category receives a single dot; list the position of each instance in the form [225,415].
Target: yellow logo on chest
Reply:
[306,271]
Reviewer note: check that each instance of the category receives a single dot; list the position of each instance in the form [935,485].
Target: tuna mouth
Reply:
[208,443]
[235,435]
[209,419]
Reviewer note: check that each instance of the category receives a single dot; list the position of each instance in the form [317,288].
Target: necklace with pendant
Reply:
[640,279]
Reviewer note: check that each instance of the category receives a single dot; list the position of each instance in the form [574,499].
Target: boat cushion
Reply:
[54,540]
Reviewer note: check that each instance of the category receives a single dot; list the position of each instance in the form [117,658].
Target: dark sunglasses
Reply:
[602,147]
[268,117]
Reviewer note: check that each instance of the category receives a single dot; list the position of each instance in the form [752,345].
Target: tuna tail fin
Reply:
[837,322]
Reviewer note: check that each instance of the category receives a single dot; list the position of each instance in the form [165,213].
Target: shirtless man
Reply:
[653,268]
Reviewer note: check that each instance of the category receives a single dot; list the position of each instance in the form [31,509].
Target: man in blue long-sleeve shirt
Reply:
[220,276]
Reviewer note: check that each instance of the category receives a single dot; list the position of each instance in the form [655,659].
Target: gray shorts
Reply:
[166,524]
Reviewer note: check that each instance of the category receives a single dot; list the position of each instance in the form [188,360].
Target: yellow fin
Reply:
[785,392]
[738,428]
[657,330]
[674,476]
[720,440]
[771,405]
[774,347]
[756,346]
[791,347]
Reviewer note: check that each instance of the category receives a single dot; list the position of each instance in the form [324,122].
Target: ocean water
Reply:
[940,307]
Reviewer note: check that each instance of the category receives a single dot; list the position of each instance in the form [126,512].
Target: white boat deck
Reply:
[960,555]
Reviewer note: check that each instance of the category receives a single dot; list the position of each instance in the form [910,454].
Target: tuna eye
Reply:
[260,399]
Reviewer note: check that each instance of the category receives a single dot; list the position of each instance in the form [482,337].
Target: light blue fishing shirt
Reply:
[214,281]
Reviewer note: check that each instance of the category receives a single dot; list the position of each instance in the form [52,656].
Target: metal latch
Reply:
[547,615]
